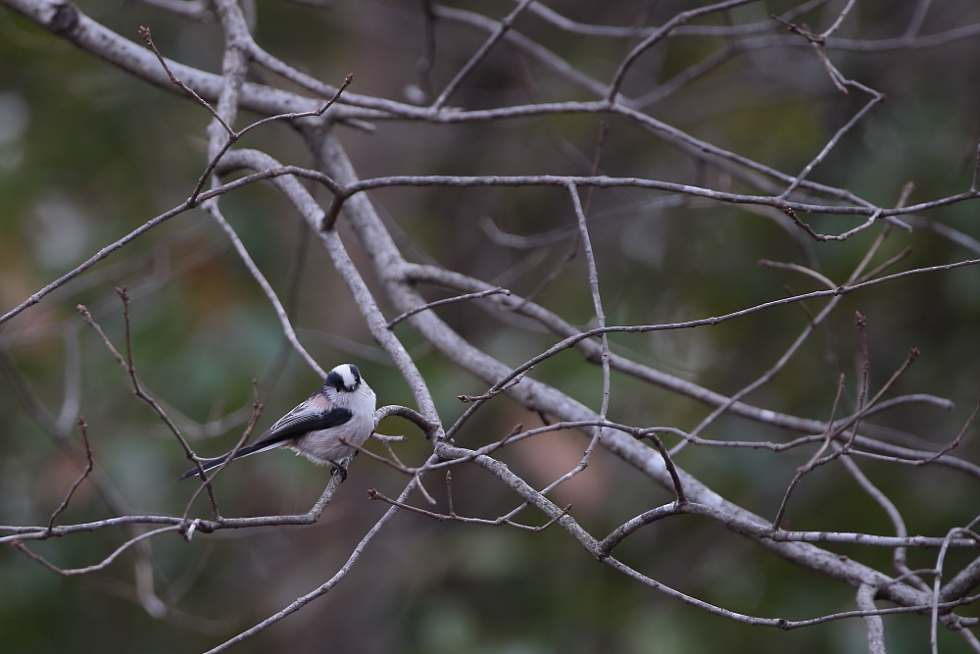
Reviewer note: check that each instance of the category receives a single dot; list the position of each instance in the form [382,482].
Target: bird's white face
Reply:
[345,378]
[349,375]
[345,388]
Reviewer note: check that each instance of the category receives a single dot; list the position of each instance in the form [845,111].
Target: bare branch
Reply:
[17,544]
[496,522]
[147,37]
[324,588]
[211,207]
[660,34]
[873,623]
[705,168]
[480,55]
[127,365]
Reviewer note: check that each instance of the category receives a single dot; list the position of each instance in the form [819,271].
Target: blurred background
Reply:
[89,153]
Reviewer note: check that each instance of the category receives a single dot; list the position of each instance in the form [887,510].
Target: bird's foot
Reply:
[338,469]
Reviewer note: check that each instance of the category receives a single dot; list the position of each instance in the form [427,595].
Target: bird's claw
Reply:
[339,470]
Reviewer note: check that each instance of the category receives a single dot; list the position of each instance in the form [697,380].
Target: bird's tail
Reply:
[207,464]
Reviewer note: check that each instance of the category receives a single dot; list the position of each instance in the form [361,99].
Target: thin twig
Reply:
[952,445]
[840,19]
[886,265]
[669,463]
[449,492]
[480,55]
[798,268]
[207,478]
[127,365]
[451,516]
[90,464]
[144,32]
[898,556]
[448,300]
[494,391]
[659,34]
[828,434]
[71,572]
[211,206]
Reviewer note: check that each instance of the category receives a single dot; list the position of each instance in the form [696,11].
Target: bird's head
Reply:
[345,378]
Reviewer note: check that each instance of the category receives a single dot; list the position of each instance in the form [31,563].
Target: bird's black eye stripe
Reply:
[334,379]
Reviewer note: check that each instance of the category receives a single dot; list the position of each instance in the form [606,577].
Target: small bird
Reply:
[343,408]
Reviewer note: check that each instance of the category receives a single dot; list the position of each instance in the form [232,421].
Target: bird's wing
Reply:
[295,423]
